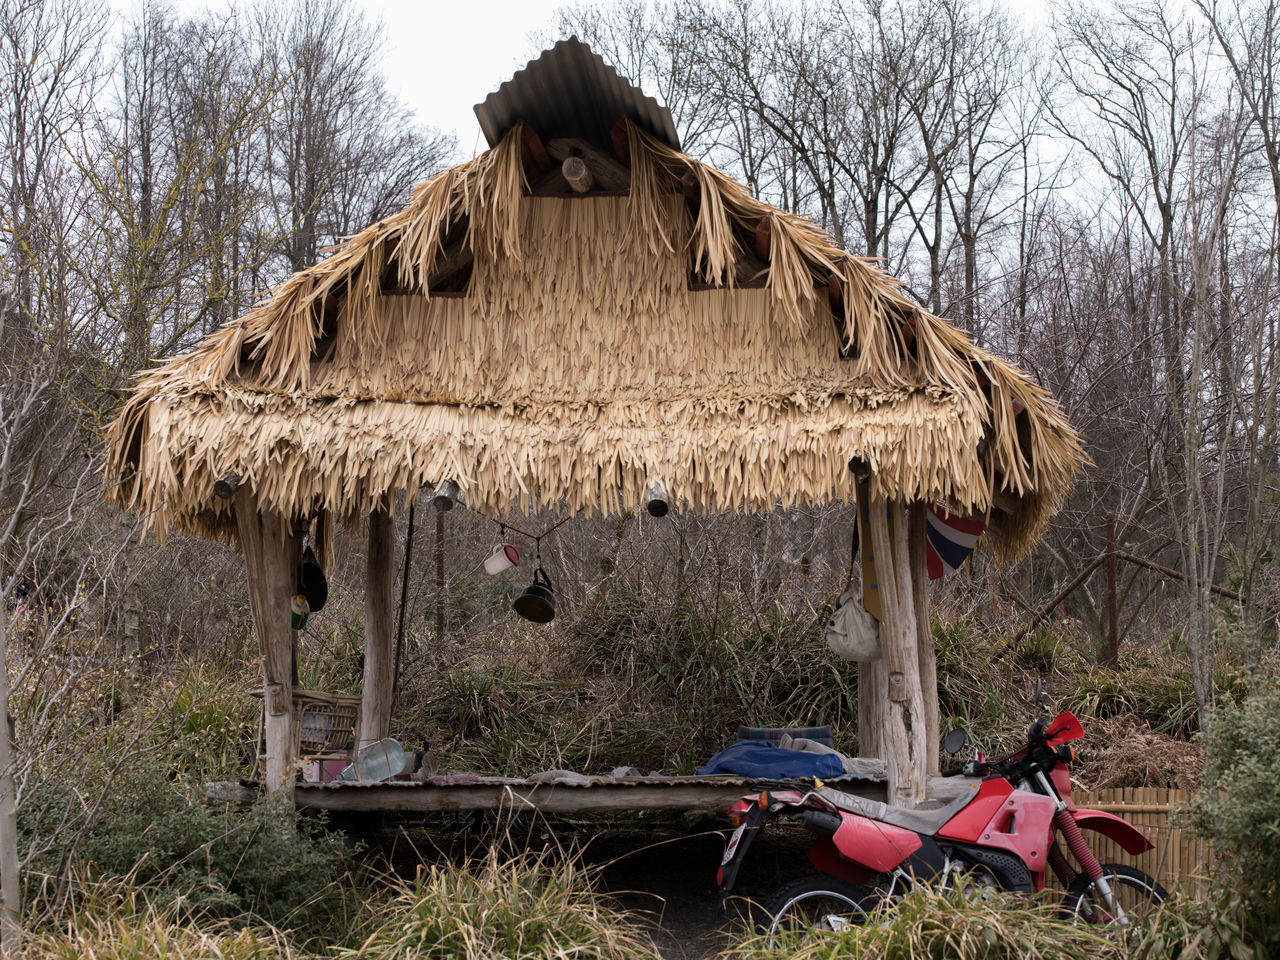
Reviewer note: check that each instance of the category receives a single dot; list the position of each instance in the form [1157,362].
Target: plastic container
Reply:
[375,762]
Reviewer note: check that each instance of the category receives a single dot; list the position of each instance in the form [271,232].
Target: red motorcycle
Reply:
[1002,832]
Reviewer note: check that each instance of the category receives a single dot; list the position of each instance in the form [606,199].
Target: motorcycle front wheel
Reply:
[1137,896]
[815,904]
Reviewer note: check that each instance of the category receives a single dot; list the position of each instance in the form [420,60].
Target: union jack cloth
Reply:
[949,540]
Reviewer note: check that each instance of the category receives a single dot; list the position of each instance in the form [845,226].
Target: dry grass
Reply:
[530,907]
[1134,755]
[115,921]
[931,925]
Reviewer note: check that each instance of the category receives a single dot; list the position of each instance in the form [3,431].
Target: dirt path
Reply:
[669,882]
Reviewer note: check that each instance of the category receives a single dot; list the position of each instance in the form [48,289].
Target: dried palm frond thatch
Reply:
[580,363]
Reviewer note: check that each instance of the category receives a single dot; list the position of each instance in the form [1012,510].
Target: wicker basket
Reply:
[326,726]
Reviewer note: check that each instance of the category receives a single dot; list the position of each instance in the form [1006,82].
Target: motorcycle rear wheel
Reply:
[1137,894]
[815,904]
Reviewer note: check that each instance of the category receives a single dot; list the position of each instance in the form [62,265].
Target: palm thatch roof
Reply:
[543,348]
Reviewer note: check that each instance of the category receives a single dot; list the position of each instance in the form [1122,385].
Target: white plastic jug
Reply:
[375,762]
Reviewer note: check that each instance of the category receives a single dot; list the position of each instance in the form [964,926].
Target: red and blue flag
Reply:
[949,540]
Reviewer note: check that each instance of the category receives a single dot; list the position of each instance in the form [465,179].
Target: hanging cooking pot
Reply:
[311,581]
[538,601]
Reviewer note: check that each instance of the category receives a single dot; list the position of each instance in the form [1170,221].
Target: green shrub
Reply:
[258,861]
[1191,929]
[1140,687]
[637,679]
[206,723]
[1238,806]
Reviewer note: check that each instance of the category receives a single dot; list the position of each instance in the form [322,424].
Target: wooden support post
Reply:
[440,578]
[379,630]
[871,678]
[271,556]
[871,685]
[905,726]
[928,656]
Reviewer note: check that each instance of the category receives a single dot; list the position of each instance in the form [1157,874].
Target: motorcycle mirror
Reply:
[955,741]
[1039,691]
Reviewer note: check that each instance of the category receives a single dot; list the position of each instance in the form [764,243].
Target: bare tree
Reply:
[994,117]
[342,152]
[176,190]
[1248,35]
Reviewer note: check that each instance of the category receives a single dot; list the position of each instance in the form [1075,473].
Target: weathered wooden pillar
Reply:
[379,629]
[926,652]
[871,678]
[905,724]
[871,686]
[271,556]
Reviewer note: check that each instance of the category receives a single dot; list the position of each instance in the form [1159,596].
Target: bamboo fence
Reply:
[1180,858]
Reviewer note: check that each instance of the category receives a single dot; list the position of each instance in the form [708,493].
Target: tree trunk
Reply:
[271,554]
[10,891]
[379,630]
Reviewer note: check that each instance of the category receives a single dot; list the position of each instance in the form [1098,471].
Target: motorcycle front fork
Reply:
[1089,865]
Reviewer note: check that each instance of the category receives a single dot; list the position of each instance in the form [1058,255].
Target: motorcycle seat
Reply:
[927,822]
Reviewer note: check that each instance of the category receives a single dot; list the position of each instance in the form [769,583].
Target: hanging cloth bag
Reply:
[852,633]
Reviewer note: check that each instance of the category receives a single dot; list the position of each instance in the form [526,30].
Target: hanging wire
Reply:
[538,536]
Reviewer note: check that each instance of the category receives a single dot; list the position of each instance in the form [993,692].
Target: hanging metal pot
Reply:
[538,601]
[311,581]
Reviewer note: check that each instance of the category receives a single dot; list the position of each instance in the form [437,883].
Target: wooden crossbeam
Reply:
[607,172]
[577,174]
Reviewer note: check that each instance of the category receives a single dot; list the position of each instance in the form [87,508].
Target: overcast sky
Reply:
[443,58]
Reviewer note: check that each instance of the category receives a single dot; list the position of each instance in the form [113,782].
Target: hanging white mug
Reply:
[504,557]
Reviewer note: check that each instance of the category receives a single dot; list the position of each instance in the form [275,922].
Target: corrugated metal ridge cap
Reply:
[569,91]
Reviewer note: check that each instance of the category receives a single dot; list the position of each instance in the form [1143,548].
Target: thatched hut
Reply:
[578,312]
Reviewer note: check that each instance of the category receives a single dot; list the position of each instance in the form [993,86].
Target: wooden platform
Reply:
[557,796]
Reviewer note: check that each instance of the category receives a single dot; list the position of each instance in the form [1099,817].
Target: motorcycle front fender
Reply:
[1131,839]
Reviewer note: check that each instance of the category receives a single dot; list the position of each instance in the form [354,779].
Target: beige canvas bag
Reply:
[853,634]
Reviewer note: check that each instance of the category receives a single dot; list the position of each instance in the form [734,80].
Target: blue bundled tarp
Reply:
[763,760]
